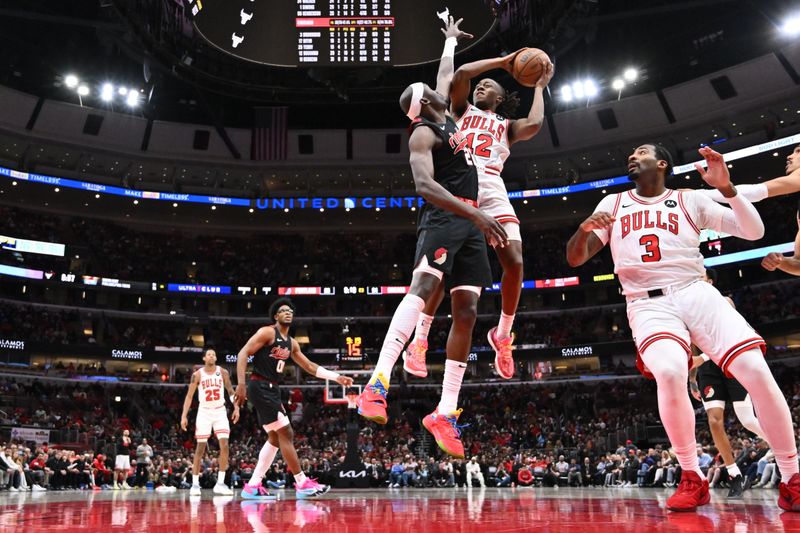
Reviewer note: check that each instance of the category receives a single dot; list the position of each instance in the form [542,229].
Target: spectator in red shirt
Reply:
[102,474]
[524,477]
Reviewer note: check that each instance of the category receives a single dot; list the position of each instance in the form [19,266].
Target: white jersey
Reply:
[211,389]
[655,242]
[487,134]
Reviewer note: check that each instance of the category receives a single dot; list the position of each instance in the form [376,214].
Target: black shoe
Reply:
[736,488]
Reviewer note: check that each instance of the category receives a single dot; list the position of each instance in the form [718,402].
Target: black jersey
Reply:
[453,167]
[268,362]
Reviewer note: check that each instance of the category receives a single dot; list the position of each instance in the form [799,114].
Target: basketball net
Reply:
[351,400]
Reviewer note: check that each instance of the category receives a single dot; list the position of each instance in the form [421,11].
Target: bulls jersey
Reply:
[269,361]
[655,241]
[487,134]
[211,389]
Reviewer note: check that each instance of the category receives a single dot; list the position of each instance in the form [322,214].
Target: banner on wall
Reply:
[37,435]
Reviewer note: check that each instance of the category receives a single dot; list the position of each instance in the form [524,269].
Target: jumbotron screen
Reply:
[305,33]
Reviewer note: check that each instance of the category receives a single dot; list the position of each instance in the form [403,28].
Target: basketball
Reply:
[527,68]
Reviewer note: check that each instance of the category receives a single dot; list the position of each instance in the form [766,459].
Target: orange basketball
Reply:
[527,68]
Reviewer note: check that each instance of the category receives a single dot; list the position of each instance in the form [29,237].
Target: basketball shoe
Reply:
[789,494]
[503,357]
[258,492]
[414,358]
[692,492]
[371,402]
[446,431]
[310,489]
[195,491]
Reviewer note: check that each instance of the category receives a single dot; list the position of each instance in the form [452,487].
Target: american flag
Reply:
[269,138]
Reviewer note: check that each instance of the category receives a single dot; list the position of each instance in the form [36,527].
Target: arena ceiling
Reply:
[149,43]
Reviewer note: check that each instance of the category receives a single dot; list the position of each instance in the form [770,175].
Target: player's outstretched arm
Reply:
[187,402]
[226,380]
[585,244]
[742,220]
[526,128]
[790,265]
[421,144]
[459,90]
[453,34]
[262,337]
[316,370]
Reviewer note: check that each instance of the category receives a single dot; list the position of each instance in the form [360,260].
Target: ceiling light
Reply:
[630,74]
[122,91]
[132,99]
[83,90]
[107,92]
[566,93]
[590,88]
[577,90]
[71,81]
[791,26]
[618,84]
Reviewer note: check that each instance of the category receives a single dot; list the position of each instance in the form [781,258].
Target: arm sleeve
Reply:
[606,205]
[754,192]
[741,220]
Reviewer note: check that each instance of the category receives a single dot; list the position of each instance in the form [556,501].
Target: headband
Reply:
[416,106]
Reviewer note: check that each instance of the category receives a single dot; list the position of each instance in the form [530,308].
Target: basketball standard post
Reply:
[352,473]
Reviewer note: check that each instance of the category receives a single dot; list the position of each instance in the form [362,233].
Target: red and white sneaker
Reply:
[446,431]
[789,494]
[414,358]
[692,493]
[503,356]
[371,402]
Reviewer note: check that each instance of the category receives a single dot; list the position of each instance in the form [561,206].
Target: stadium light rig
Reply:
[791,26]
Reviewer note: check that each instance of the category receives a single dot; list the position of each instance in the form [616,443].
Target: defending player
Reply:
[654,235]
[490,132]
[790,265]
[451,245]
[212,381]
[710,386]
[271,346]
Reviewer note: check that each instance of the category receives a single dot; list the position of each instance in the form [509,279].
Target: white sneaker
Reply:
[37,488]
[222,489]
[125,486]
[195,491]
[116,486]
[13,489]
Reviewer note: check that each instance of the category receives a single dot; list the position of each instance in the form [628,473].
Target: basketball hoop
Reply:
[352,396]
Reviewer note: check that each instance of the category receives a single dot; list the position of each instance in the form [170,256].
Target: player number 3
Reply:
[651,246]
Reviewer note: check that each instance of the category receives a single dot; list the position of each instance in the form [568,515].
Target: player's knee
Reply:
[466,315]
[512,263]
[715,418]
[286,433]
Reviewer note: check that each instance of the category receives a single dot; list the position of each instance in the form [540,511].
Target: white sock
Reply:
[666,359]
[753,373]
[423,327]
[265,458]
[733,470]
[400,329]
[195,479]
[451,385]
[300,478]
[504,326]
[221,477]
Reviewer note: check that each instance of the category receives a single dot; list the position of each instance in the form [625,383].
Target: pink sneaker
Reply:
[371,402]
[446,432]
[414,358]
[503,356]
[310,489]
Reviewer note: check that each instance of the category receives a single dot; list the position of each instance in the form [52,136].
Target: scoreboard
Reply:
[305,33]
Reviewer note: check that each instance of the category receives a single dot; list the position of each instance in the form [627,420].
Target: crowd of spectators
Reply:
[359,258]
[603,434]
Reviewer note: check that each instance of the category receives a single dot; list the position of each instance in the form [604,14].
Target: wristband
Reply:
[704,357]
[450,47]
[324,373]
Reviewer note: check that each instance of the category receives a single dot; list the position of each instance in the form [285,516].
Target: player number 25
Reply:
[651,246]
[212,395]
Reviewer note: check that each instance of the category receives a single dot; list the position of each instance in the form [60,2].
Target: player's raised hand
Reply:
[491,228]
[345,381]
[599,220]
[508,61]
[451,29]
[184,423]
[772,261]
[547,73]
[240,395]
[716,174]
[235,415]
